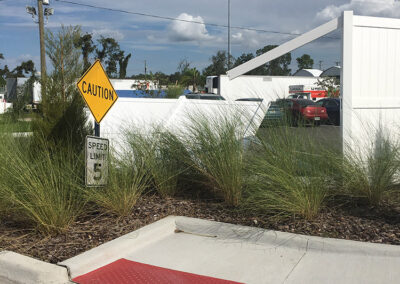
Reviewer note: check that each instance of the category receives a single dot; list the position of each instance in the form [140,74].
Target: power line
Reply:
[180,20]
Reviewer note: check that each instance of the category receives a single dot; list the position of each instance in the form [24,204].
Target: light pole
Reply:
[47,12]
[229,34]
[41,36]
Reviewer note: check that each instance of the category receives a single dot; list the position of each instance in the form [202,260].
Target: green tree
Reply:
[219,64]
[183,65]
[85,43]
[305,62]
[123,64]
[191,77]
[243,58]
[63,120]
[23,98]
[64,56]
[276,67]
[162,78]
[174,78]
[331,85]
[3,72]
[109,54]
[24,95]
[23,69]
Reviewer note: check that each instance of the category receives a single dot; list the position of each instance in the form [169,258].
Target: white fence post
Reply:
[346,80]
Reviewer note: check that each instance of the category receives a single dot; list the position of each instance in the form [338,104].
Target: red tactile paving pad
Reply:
[126,271]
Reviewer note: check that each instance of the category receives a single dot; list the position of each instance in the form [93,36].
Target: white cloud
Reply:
[115,34]
[247,39]
[185,31]
[383,8]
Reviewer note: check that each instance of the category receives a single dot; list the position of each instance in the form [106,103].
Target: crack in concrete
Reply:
[196,234]
[68,272]
[297,263]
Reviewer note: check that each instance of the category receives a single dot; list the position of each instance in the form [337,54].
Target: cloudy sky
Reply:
[163,43]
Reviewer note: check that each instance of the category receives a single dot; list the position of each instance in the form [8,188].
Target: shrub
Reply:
[174,92]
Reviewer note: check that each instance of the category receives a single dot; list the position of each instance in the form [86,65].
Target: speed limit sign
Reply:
[96,152]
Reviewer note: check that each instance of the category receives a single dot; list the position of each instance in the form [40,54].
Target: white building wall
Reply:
[371,73]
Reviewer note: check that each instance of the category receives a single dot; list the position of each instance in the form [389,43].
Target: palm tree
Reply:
[191,77]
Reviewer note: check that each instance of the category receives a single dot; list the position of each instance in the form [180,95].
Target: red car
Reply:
[303,111]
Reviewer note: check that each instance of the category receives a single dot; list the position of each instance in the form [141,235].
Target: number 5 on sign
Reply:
[96,155]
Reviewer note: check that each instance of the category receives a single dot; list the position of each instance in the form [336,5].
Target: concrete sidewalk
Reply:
[245,254]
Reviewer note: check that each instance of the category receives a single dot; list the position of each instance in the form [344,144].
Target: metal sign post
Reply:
[96,129]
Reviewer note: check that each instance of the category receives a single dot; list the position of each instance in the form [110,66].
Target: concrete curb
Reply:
[115,249]
[19,269]
[276,239]
[16,268]
[228,233]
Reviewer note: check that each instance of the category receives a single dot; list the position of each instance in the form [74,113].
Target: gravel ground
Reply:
[358,222]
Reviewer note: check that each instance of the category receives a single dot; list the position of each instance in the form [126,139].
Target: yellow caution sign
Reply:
[97,91]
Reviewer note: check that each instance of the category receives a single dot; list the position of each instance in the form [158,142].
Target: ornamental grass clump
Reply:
[373,172]
[162,153]
[216,153]
[127,180]
[168,162]
[289,175]
[44,187]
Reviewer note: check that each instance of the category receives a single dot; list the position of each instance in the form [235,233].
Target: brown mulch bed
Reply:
[351,222]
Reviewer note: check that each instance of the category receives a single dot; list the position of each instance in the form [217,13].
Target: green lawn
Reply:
[9,125]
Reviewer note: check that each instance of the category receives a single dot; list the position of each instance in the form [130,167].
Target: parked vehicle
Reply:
[299,111]
[312,92]
[247,86]
[249,100]
[332,106]
[305,96]
[212,84]
[200,96]
[275,115]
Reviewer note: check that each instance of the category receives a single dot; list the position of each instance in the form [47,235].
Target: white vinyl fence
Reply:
[370,78]
[175,115]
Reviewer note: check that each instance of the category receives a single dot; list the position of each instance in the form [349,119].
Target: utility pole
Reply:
[145,70]
[229,34]
[41,35]
[47,12]
[320,65]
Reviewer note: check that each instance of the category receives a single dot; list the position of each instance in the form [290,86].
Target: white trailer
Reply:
[268,88]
